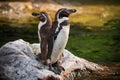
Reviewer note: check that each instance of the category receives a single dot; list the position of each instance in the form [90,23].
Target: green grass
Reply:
[91,45]
[96,46]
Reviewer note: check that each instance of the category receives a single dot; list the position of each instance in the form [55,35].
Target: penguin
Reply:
[60,31]
[44,28]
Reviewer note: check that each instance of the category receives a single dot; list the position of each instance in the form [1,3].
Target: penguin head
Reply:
[42,16]
[64,12]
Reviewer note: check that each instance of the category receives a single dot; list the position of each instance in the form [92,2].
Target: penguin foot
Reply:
[56,69]
[53,69]
[61,68]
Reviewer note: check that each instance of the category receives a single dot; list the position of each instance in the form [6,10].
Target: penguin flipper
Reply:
[43,50]
[50,47]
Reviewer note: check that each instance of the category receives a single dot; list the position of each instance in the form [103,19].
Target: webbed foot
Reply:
[56,68]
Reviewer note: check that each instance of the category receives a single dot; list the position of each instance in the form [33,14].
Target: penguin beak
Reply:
[35,14]
[71,11]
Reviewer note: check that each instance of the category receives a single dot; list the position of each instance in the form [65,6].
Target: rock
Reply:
[18,62]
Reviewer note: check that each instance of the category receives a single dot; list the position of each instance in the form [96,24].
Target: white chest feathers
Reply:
[60,43]
[60,21]
[39,27]
[41,24]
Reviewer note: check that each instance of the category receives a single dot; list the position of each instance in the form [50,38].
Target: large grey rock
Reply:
[18,62]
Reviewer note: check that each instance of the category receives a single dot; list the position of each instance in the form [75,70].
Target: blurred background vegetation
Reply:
[95,28]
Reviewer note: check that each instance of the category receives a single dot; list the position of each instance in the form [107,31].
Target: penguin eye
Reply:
[65,13]
[42,17]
